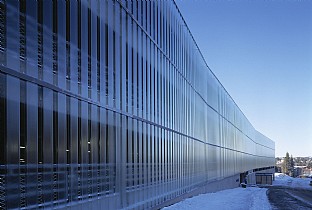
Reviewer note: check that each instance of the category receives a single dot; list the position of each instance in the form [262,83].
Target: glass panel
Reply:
[129,62]
[84,149]
[31,26]
[62,146]
[134,92]
[12,42]
[123,61]
[84,48]
[111,145]
[73,150]
[117,56]
[13,147]
[3,119]
[93,43]
[47,41]
[103,50]
[3,28]
[61,43]
[111,54]
[32,142]
[73,22]
[144,75]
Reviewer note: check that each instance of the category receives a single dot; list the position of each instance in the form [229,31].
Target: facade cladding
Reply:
[110,104]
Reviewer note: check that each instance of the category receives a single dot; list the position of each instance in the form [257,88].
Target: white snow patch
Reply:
[239,198]
[285,180]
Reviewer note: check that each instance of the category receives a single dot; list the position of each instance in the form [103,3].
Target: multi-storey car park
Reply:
[108,104]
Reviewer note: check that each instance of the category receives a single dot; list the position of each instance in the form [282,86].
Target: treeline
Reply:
[303,161]
[288,166]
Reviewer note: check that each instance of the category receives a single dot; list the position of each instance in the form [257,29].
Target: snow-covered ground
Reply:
[239,198]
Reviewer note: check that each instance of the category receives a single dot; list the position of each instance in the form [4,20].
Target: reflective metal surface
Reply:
[110,104]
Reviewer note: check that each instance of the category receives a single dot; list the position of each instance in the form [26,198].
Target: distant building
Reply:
[307,171]
[298,170]
[109,104]
[278,169]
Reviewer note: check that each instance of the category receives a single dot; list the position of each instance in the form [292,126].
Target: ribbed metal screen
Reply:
[109,104]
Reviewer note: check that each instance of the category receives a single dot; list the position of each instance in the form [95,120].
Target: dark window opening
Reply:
[79,46]
[23,123]
[55,127]
[89,50]
[98,76]
[3,119]
[68,45]
[40,125]
[68,129]
[79,132]
[89,134]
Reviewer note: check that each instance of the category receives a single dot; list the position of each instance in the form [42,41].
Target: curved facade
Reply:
[111,104]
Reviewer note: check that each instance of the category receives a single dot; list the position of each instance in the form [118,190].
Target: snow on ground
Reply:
[239,198]
[285,180]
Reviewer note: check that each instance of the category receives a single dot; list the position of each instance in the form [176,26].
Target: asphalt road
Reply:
[289,198]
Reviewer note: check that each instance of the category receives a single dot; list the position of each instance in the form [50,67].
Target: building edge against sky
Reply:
[110,103]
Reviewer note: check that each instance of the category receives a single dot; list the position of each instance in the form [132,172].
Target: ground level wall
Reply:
[218,185]
[214,186]
[251,177]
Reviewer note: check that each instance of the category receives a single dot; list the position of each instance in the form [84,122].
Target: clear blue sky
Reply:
[261,51]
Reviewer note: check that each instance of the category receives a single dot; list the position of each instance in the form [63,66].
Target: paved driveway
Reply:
[283,197]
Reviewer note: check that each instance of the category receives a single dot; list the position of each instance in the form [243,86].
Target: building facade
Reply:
[110,104]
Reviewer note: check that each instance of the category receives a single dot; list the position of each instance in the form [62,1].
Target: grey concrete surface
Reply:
[286,198]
